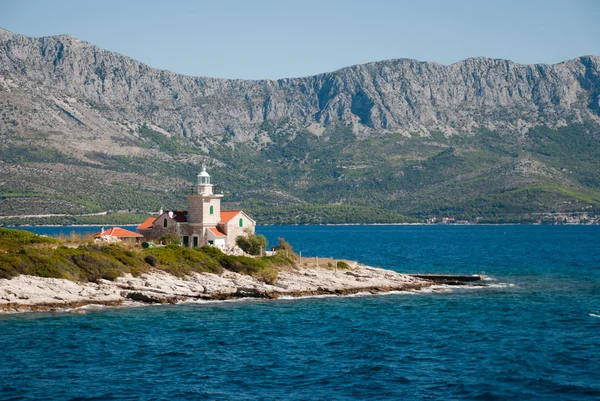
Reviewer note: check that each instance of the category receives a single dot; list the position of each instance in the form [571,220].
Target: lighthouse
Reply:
[204,223]
[204,206]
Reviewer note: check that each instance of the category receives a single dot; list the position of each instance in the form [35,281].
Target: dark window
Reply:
[165,222]
[195,242]
[186,241]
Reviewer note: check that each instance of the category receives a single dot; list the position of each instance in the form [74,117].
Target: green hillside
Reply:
[80,259]
[335,178]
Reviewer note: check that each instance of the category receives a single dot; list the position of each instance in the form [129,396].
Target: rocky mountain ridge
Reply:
[402,95]
[83,129]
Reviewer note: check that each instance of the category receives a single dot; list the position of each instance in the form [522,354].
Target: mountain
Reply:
[84,129]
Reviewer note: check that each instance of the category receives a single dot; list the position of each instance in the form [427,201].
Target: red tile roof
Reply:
[227,215]
[147,223]
[216,232]
[118,232]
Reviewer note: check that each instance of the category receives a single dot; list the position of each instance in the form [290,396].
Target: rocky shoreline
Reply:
[28,293]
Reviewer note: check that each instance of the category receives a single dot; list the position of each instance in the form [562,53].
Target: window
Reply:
[212,209]
[195,242]
[186,241]
[165,223]
[241,222]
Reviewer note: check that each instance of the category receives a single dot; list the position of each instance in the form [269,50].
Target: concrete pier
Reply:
[451,279]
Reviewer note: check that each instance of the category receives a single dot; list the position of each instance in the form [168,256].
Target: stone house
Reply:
[203,223]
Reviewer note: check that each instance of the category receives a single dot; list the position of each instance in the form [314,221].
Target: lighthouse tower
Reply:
[204,206]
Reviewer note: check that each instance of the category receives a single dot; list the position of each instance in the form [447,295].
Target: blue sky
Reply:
[277,39]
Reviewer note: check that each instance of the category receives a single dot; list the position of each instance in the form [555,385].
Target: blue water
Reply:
[533,334]
[67,230]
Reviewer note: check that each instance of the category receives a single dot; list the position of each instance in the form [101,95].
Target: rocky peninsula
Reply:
[25,293]
[40,273]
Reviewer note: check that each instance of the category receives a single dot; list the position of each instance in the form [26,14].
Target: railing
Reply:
[195,190]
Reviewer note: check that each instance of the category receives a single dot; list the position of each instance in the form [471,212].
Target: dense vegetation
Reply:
[340,178]
[254,244]
[323,214]
[301,178]
[22,252]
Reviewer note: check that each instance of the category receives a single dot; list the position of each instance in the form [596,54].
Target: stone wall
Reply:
[158,228]
[199,210]
[233,229]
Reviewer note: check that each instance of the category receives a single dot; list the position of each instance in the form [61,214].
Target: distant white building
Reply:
[204,223]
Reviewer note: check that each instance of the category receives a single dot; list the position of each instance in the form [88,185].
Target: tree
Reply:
[170,239]
[252,244]
[285,249]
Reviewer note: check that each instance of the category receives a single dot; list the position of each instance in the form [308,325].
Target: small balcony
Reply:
[198,190]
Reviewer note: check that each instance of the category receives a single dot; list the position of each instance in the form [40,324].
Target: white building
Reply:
[203,223]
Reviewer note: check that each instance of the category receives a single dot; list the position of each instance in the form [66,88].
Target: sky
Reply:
[258,39]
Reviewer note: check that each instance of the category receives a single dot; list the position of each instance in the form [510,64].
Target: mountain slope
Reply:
[85,129]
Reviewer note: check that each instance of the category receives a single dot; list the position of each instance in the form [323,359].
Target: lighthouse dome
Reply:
[203,177]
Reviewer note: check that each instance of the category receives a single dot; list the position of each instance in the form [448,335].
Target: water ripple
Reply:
[536,340]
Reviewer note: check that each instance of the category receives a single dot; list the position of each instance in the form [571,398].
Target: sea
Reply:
[531,332]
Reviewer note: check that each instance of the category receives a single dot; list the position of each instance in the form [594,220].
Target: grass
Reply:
[79,259]
[11,240]
[184,261]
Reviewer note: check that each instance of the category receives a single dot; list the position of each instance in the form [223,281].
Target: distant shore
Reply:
[326,225]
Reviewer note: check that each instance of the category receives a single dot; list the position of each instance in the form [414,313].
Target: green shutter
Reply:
[241,222]
[212,209]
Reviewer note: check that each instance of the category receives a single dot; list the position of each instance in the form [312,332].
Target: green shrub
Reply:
[43,263]
[6,271]
[126,257]
[50,271]
[7,265]
[242,264]
[285,249]
[252,244]
[93,262]
[170,239]
[343,265]
[13,239]
[111,274]
[151,260]
[181,261]
[267,275]
[211,251]
[264,269]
